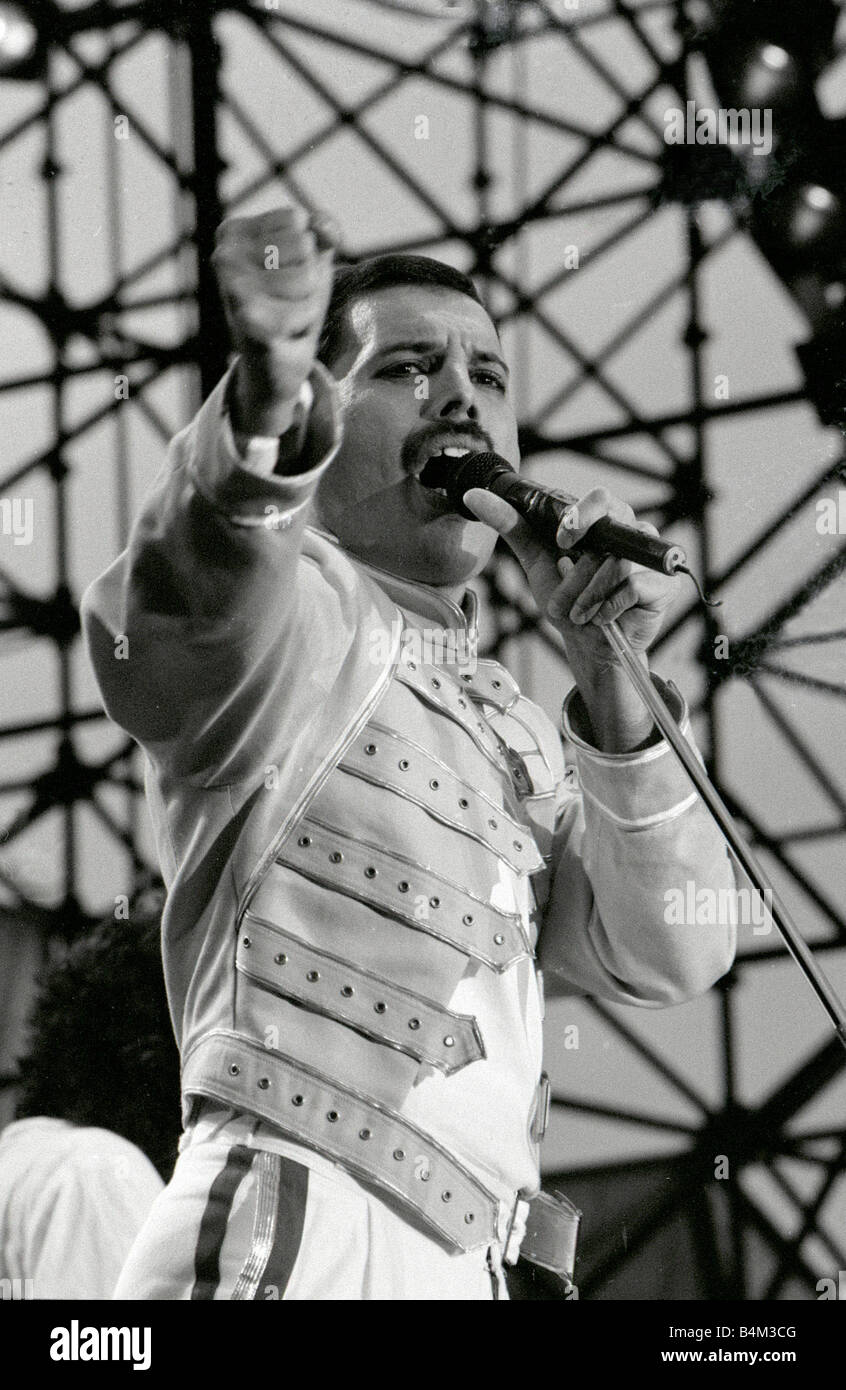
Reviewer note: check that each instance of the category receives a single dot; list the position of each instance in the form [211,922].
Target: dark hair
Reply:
[380,273]
[102,1050]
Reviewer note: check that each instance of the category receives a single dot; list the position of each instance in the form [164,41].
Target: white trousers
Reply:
[248,1215]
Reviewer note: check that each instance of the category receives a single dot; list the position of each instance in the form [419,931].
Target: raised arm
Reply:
[210,588]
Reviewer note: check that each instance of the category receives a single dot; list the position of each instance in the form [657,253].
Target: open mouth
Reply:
[450,451]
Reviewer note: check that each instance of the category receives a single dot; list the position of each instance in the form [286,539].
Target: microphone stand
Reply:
[793,939]
[545,510]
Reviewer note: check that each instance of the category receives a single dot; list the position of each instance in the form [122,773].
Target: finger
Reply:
[578,571]
[496,512]
[604,599]
[644,591]
[575,576]
[581,515]
[532,554]
[326,230]
[599,586]
[284,253]
[275,247]
[260,320]
[272,293]
[279,221]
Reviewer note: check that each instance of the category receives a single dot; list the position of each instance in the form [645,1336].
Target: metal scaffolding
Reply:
[544,184]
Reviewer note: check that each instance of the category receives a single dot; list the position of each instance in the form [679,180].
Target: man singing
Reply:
[368,839]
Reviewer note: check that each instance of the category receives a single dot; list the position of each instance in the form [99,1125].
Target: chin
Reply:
[452,559]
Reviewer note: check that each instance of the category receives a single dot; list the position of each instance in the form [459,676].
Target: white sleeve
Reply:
[83,1220]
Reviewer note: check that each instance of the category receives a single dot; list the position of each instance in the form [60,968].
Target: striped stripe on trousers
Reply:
[281,1190]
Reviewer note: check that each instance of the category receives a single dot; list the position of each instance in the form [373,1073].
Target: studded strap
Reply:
[386,1012]
[393,884]
[491,684]
[389,760]
[446,694]
[369,1140]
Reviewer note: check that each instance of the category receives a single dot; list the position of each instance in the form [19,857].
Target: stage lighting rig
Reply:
[768,56]
[21,43]
[781,40]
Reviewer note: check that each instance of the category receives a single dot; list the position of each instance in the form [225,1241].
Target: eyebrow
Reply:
[428,346]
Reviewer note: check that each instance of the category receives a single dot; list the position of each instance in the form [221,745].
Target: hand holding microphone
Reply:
[547,510]
[577,556]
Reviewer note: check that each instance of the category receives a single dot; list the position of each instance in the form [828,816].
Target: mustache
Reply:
[431,437]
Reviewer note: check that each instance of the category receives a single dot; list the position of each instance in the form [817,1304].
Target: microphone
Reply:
[544,509]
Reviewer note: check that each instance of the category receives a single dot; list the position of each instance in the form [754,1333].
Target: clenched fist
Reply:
[275,276]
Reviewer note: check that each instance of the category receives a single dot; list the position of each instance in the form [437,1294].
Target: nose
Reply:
[452,395]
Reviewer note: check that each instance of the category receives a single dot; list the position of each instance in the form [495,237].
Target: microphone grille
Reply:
[457,476]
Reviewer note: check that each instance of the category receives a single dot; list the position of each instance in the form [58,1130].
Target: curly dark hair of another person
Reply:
[102,1050]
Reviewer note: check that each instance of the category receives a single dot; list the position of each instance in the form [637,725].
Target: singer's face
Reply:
[421,370]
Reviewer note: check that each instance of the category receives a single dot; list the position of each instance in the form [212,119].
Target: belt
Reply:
[545,1231]
[374,1143]
[365,1137]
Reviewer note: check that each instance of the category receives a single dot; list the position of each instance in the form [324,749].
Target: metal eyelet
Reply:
[370,748]
[364,1133]
[446,1196]
[463,802]
[280,958]
[312,975]
[380,1008]
[399,1155]
[234,1070]
[370,872]
[263,1083]
[434,784]
[434,902]
[246,943]
[414,1024]
[297,1100]
[403,764]
[499,939]
[348,991]
[493,824]
[467,919]
[449,1041]
[304,840]
[332,1116]
[336,857]
[403,886]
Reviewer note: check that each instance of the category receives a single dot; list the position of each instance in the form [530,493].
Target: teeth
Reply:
[455,452]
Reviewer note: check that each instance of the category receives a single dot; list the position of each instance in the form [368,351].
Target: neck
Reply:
[453,592]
